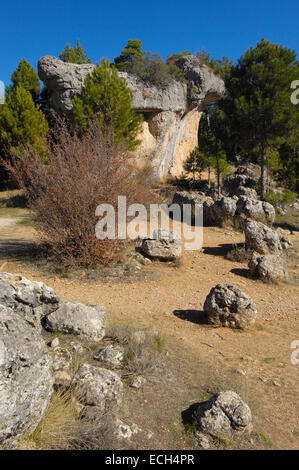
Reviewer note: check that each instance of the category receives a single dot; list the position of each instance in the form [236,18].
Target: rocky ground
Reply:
[199,358]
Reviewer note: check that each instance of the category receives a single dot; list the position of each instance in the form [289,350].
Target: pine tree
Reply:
[106,96]
[259,107]
[132,50]
[25,76]
[22,123]
[74,55]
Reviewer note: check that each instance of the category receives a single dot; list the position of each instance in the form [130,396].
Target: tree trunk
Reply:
[209,177]
[218,177]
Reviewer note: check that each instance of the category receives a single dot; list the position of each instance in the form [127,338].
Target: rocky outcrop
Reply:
[171,114]
[224,414]
[26,377]
[268,268]
[244,177]
[228,306]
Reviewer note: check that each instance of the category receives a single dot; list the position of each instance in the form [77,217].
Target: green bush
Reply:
[282,199]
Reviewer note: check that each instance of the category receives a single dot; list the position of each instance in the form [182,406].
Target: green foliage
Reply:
[222,67]
[106,96]
[147,66]
[25,76]
[196,163]
[174,57]
[280,199]
[258,107]
[132,50]
[75,54]
[22,123]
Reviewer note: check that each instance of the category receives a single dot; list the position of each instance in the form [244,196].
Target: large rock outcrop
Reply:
[171,114]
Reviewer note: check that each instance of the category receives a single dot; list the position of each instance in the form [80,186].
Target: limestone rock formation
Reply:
[256,210]
[261,238]
[222,414]
[171,114]
[164,245]
[26,377]
[111,356]
[228,306]
[268,268]
[86,321]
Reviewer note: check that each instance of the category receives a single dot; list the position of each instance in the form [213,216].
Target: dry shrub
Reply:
[80,173]
[143,348]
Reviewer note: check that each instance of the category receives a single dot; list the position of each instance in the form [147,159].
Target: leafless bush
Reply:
[80,173]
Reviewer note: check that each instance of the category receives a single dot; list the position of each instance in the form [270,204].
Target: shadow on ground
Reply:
[194,316]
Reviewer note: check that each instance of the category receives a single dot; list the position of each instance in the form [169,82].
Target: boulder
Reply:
[261,238]
[194,198]
[232,183]
[30,299]
[99,388]
[268,268]
[222,210]
[111,356]
[165,245]
[224,414]
[26,377]
[260,211]
[171,114]
[86,321]
[228,306]
[247,192]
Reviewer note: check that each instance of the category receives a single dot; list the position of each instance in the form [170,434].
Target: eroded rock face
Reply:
[268,268]
[171,114]
[26,377]
[228,306]
[224,413]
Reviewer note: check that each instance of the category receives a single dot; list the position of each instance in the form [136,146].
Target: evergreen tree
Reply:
[25,76]
[132,50]
[258,106]
[22,123]
[106,96]
[74,55]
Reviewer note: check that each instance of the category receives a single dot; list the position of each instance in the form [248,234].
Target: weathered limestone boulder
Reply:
[86,321]
[228,306]
[268,268]
[232,183]
[224,414]
[256,210]
[222,210]
[285,242]
[171,113]
[111,356]
[247,192]
[30,299]
[26,377]
[165,245]
[194,198]
[260,238]
[99,388]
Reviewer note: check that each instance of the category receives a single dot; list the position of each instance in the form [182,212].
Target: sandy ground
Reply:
[171,298]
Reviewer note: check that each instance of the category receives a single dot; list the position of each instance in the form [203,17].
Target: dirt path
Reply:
[171,299]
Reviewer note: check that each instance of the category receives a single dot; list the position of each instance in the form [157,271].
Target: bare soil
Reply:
[199,358]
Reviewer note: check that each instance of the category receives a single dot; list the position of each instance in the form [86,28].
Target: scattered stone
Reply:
[61,359]
[124,431]
[26,377]
[165,245]
[99,388]
[224,413]
[268,268]
[55,343]
[111,355]
[261,238]
[138,382]
[85,321]
[228,306]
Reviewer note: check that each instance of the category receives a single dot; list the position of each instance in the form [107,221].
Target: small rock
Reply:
[138,382]
[55,343]
[112,355]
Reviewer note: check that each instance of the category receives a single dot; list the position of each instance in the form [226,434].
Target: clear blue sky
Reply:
[34,28]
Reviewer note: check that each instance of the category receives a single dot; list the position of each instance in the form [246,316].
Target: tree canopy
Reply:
[75,54]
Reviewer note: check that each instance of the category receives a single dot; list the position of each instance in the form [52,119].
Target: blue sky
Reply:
[34,28]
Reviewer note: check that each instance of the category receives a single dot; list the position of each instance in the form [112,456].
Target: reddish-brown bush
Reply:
[80,174]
